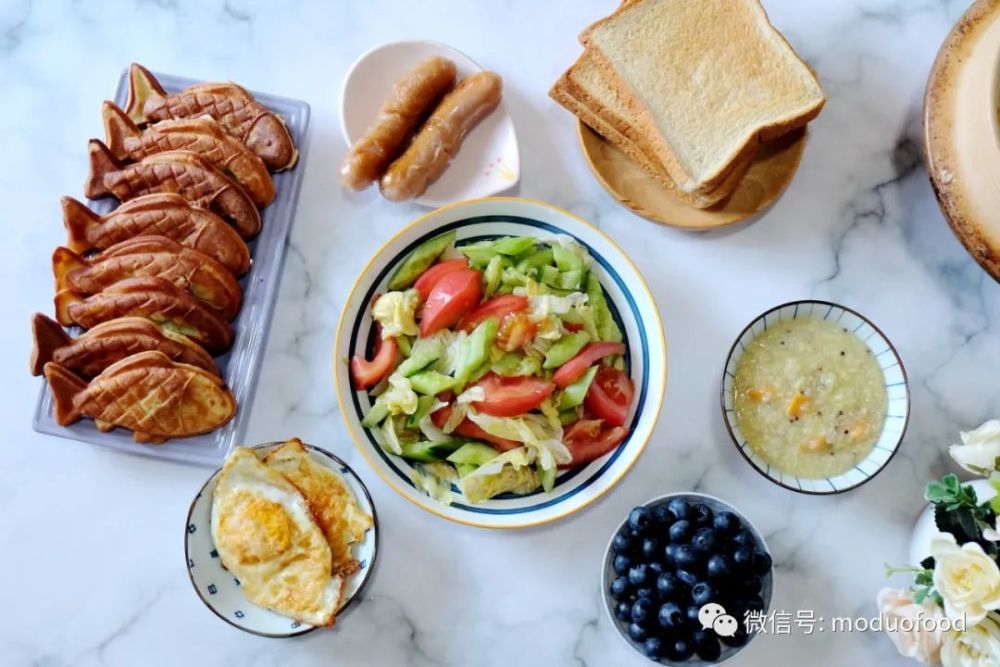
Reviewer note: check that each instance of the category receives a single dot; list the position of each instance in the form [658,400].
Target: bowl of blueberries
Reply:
[681,575]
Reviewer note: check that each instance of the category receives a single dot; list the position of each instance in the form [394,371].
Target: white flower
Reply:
[978,646]
[980,449]
[913,638]
[967,579]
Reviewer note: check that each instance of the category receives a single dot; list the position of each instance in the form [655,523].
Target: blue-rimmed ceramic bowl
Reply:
[220,590]
[897,391]
[630,300]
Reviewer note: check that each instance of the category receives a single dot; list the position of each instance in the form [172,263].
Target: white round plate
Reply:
[488,161]
[925,529]
[897,392]
[220,590]
[631,303]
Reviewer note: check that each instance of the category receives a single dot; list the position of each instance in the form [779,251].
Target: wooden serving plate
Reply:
[768,176]
[961,146]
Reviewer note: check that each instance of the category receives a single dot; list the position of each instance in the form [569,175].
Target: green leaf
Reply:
[920,595]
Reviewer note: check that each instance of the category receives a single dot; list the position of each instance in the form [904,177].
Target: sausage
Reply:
[414,95]
[440,138]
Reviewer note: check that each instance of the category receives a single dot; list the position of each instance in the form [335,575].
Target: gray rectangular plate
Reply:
[241,365]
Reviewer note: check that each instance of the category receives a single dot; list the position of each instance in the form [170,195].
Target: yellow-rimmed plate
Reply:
[631,303]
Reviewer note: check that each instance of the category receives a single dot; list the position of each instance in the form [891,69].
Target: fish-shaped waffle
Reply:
[155,397]
[155,299]
[165,214]
[202,135]
[107,343]
[236,110]
[186,173]
[145,256]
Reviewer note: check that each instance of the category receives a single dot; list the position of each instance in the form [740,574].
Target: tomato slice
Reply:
[367,374]
[588,439]
[499,307]
[429,278]
[470,429]
[610,396]
[572,327]
[574,369]
[454,295]
[515,331]
[509,397]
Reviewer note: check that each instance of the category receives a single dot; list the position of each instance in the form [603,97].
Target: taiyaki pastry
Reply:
[145,256]
[155,299]
[330,500]
[202,135]
[186,173]
[107,343]
[155,397]
[266,536]
[165,214]
[236,110]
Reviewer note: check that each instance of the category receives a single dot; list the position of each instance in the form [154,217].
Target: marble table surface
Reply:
[92,539]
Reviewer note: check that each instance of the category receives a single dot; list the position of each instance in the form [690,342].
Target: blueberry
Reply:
[686,558]
[680,532]
[641,610]
[622,563]
[679,508]
[670,616]
[650,547]
[718,568]
[638,519]
[691,614]
[623,541]
[638,575]
[619,588]
[662,516]
[742,559]
[748,585]
[701,515]
[678,650]
[702,593]
[669,554]
[653,648]
[762,562]
[637,632]
[739,639]
[646,592]
[726,523]
[671,588]
[706,645]
[656,568]
[623,611]
[744,604]
[687,577]
[744,538]
[704,540]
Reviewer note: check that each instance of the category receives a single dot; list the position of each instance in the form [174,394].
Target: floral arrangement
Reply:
[949,615]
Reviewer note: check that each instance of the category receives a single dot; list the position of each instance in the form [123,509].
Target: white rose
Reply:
[978,646]
[967,579]
[980,449]
[912,639]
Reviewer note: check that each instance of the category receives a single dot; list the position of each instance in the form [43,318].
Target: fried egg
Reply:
[266,536]
[331,501]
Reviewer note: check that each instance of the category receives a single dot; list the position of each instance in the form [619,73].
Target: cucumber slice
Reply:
[376,414]
[549,275]
[419,260]
[464,468]
[547,478]
[567,417]
[473,453]
[405,346]
[574,394]
[570,279]
[514,245]
[429,452]
[565,349]
[566,260]
[424,404]
[475,350]
[606,327]
[535,261]
[478,254]
[424,357]
[431,383]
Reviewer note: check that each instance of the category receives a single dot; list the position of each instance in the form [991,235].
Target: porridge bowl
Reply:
[815,397]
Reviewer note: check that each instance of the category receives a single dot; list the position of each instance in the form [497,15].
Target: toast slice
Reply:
[585,92]
[705,82]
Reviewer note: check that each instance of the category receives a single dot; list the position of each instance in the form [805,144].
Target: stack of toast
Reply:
[690,90]
[155,282]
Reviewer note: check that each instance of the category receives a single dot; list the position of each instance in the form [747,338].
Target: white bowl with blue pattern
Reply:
[631,303]
[897,393]
[220,590]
